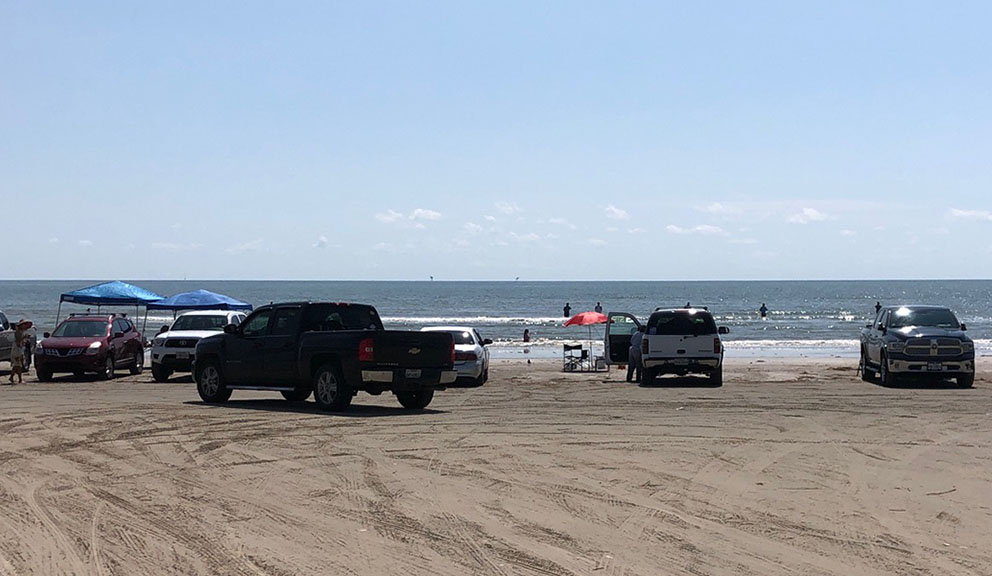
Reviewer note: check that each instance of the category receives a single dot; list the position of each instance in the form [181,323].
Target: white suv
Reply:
[676,341]
[172,351]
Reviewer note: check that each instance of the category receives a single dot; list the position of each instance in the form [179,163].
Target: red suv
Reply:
[89,343]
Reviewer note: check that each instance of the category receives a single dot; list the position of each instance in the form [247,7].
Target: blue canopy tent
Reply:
[198,300]
[114,293]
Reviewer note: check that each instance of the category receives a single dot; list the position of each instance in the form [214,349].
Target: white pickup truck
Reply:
[676,341]
[7,340]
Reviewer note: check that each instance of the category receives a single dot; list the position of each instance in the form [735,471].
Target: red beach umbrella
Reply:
[586,318]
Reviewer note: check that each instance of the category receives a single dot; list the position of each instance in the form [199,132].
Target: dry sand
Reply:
[793,467]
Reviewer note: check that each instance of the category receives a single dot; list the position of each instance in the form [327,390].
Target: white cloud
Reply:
[531,237]
[598,242]
[490,218]
[848,233]
[612,229]
[425,214]
[561,222]
[718,209]
[614,213]
[808,215]
[636,231]
[507,207]
[383,247]
[702,229]
[85,243]
[959,214]
[472,228]
[250,246]
[389,216]
[176,225]
[743,241]
[53,240]
[174,247]
[321,242]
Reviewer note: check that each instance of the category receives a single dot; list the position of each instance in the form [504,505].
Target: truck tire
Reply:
[887,378]
[299,395]
[43,374]
[160,373]
[416,399]
[647,376]
[716,377]
[867,374]
[139,363]
[965,380]
[330,391]
[210,383]
[107,373]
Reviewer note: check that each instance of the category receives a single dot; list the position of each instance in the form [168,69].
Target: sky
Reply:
[493,141]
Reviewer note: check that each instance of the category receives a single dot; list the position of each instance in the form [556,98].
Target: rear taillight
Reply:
[465,356]
[366,350]
[716,345]
[644,346]
[453,356]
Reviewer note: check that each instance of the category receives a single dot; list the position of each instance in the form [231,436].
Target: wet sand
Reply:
[793,466]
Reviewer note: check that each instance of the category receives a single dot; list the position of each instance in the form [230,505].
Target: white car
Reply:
[471,354]
[172,351]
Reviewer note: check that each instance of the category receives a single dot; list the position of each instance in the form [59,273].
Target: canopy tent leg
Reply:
[58,314]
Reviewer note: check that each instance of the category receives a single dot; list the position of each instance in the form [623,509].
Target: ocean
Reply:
[805,318]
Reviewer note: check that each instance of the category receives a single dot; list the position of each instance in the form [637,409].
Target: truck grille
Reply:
[934,347]
[63,352]
[180,343]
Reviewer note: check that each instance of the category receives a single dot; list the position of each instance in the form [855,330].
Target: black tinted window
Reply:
[285,321]
[323,317]
[938,317]
[258,324]
[81,329]
[678,323]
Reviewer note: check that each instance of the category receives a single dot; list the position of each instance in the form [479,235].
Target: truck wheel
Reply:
[299,395]
[867,374]
[160,373]
[43,374]
[108,368]
[210,383]
[716,377]
[647,376]
[330,390]
[139,363]
[416,399]
[887,378]
[965,380]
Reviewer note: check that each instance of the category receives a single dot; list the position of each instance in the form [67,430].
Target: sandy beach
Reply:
[795,466]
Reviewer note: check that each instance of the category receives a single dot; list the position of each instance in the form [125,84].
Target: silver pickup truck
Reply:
[7,340]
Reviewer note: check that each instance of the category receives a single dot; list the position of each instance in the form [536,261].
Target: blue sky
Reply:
[571,140]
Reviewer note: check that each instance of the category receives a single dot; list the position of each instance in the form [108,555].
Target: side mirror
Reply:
[723,330]
[230,329]
[118,334]
[963,327]
[487,341]
[46,335]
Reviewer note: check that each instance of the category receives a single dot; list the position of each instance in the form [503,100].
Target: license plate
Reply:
[934,367]
[412,373]
[680,361]
[182,355]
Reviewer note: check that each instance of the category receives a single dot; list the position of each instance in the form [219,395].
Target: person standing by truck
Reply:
[634,356]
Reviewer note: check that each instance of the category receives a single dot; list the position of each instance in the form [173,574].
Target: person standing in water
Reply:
[567,310]
[763,310]
[598,308]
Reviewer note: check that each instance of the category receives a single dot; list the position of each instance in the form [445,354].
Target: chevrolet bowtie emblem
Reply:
[414,350]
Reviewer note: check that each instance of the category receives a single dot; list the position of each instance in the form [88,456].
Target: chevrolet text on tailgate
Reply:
[330,350]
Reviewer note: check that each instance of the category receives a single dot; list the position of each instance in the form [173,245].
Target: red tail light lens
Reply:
[644,346]
[366,350]
[716,345]
[463,356]
[453,352]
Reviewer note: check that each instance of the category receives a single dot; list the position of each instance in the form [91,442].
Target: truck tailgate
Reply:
[413,349]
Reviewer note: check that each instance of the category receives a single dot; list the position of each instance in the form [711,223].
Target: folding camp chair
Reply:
[574,357]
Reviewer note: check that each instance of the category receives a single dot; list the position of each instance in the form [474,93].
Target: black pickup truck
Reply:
[332,350]
[921,341]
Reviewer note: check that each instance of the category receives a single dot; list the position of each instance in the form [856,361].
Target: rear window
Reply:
[329,317]
[678,323]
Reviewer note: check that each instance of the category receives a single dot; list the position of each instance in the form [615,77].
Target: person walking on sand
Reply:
[763,310]
[17,351]
[634,356]
[598,308]
[526,340]
[567,310]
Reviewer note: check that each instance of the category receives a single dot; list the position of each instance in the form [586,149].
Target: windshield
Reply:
[81,329]
[198,322]
[937,317]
